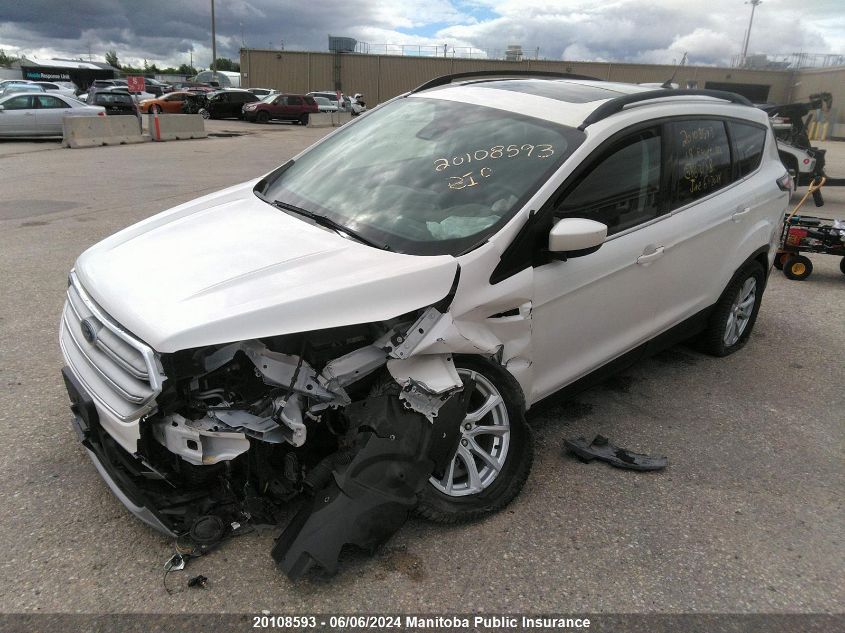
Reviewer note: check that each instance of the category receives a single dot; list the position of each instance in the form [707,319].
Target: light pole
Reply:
[214,44]
[753,4]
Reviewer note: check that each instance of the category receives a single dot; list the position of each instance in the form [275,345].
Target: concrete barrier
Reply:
[323,119]
[93,131]
[339,118]
[176,127]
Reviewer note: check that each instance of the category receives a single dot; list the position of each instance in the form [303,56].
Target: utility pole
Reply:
[214,45]
[753,4]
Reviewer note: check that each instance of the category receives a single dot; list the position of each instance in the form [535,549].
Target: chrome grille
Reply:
[120,372]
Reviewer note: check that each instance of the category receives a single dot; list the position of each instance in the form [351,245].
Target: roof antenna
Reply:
[668,83]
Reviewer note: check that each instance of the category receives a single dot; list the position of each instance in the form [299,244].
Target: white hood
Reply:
[229,267]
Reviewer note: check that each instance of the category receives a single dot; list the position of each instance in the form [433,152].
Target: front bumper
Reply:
[87,426]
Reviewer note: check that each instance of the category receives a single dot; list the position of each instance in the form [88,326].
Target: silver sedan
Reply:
[39,114]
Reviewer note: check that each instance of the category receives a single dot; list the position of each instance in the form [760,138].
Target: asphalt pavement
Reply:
[748,517]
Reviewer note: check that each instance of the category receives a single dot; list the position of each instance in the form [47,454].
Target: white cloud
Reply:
[618,30]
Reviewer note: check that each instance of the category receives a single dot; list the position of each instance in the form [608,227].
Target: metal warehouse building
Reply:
[80,72]
[381,77]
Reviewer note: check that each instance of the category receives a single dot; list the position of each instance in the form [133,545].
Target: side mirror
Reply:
[576,237]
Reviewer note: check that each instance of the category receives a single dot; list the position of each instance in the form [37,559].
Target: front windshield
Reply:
[426,176]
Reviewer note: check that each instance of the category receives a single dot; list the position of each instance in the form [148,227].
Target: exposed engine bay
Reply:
[347,417]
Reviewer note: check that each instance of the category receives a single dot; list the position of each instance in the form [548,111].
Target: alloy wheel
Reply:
[485,437]
[740,312]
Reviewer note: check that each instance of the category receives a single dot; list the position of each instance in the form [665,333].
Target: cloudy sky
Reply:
[653,31]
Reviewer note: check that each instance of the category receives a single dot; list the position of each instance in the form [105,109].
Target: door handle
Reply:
[29,113]
[647,258]
[740,213]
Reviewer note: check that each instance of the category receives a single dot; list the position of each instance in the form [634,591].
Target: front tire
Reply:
[797,267]
[262,117]
[155,109]
[734,316]
[494,456]
[205,114]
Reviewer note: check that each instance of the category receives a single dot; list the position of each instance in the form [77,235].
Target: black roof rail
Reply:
[447,79]
[613,106]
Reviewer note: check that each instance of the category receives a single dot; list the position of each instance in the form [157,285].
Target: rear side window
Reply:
[748,143]
[294,101]
[622,187]
[106,98]
[45,101]
[310,101]
[702,159]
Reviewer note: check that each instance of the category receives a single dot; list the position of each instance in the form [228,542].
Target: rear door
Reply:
[173,102]
[295,107]
[718,203]
[49,114]
[18,116]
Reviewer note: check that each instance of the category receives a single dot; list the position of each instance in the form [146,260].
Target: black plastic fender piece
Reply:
[601,448]
[368,499]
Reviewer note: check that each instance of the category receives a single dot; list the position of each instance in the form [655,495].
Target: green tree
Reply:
[6,60]
[224,63]
[111,59]
[186,69]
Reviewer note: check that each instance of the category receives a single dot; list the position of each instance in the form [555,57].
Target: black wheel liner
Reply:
[370,499]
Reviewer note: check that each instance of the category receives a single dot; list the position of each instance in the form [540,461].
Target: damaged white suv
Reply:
[365,326]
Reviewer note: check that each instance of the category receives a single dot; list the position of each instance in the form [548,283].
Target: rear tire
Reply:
[303,120]
[733,318]
[842,265]
[797,267]
[512,450]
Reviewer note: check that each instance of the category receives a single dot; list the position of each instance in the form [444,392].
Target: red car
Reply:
[282,107]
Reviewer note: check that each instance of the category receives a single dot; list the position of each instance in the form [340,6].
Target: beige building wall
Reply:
[832,80]
[382,77]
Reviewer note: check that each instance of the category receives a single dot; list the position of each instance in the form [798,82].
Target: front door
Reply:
[592,309]
[18,117]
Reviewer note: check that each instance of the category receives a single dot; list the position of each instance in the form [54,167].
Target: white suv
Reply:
[367,324]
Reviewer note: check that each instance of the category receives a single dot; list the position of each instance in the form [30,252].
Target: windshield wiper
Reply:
[327,222]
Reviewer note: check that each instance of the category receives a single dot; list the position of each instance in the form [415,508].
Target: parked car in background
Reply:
[262,92]
[115,102]
[171,103]
[155,87]
[281,107]
[227,104]
[57,88]
[195,103]
[20,86]
[346,103]
[192,86]
[137,96]
[40,114]
[326,105]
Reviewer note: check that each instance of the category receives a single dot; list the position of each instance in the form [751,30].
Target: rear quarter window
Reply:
[702,159]
[748,141]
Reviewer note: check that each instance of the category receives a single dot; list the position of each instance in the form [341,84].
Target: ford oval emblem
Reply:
[89,330]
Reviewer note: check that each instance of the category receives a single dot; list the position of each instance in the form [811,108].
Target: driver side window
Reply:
[622,187]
